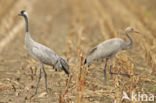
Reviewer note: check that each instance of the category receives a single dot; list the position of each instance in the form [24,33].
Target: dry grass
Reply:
[89,22]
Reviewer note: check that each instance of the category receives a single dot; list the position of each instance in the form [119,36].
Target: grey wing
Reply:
[44,54]
[108,49]
[92,51]
[105,49]
[65,66]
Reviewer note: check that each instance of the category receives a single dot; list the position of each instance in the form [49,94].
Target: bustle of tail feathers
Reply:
[85,62]
[65,66]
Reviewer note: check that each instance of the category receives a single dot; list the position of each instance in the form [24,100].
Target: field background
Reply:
[72,28]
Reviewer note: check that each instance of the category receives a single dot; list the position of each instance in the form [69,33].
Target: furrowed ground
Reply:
[72,28]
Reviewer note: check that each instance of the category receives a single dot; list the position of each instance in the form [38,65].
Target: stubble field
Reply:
[72,28]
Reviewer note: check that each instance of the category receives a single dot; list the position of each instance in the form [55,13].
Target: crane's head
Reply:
[130,30]
[23,13]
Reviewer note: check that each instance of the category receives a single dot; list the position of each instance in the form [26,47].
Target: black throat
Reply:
[26,21]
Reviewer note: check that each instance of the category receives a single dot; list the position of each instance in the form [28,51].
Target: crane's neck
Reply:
[27,24]
[28,38]
[131,40]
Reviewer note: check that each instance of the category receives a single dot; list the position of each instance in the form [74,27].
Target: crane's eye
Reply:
[22,12]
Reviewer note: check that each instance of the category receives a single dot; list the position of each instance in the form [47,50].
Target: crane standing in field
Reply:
[108,49]
[43,54]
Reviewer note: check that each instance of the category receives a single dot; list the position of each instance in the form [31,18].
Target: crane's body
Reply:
[40,52]
[43,54]
[108,49]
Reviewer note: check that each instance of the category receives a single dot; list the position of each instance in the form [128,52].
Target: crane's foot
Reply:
[113,73]
[124,74]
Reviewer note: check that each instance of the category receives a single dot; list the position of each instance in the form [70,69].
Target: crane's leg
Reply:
[111,64]
[45,76]
[39,78]
[111,71]
[115,72]
[105,77]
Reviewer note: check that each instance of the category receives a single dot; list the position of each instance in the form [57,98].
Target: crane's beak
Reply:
[19,15]
[136,32]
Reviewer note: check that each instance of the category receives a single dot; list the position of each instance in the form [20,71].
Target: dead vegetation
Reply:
[72,28]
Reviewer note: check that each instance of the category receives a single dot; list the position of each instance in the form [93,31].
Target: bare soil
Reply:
[72,28]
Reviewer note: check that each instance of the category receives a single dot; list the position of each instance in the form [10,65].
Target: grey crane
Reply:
[43,54]
[108,49]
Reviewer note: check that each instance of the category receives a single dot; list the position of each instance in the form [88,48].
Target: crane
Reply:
[43,54]
[108,49]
